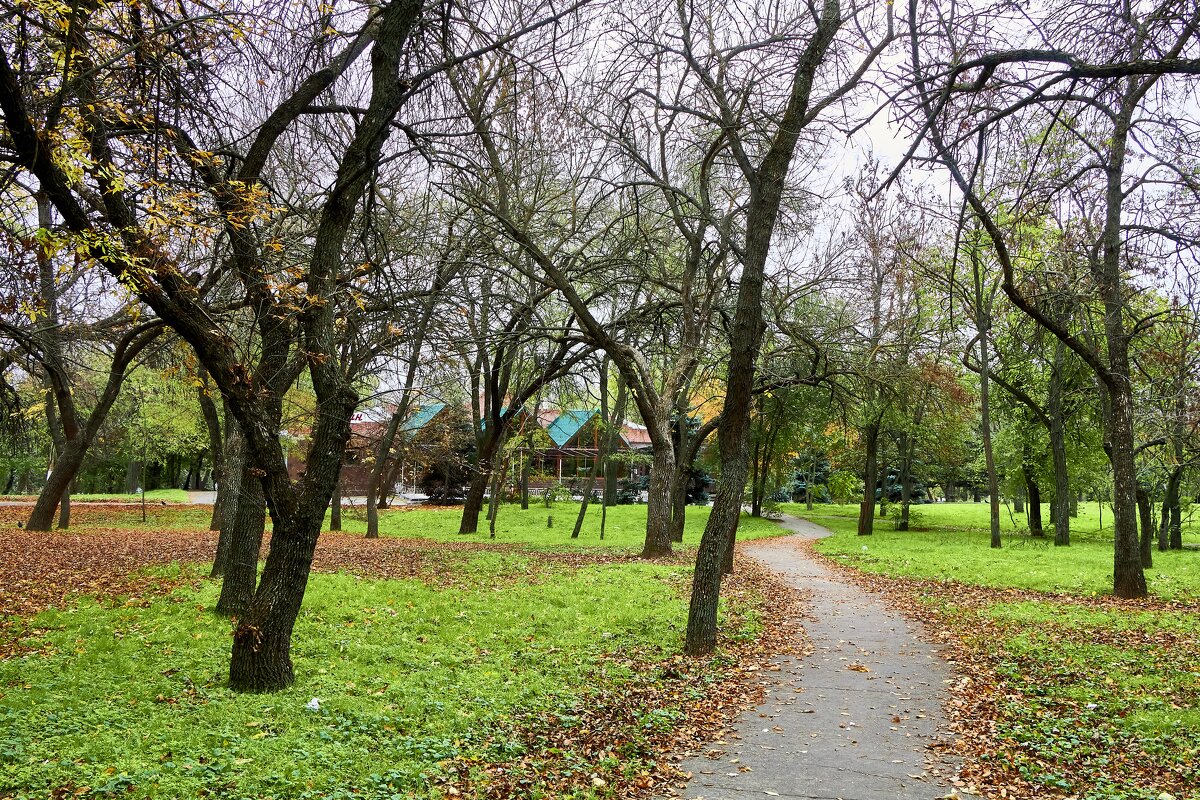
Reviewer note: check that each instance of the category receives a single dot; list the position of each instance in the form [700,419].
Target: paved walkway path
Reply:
[852,720]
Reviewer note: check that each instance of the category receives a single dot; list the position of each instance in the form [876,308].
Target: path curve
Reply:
[853,720]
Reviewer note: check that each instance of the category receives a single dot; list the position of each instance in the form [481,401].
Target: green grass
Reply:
[1102,703]
[946,553]
[132,701]
[1093,700]
[625,527]
[1095,520]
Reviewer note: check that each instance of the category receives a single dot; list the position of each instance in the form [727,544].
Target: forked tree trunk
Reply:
[66,467]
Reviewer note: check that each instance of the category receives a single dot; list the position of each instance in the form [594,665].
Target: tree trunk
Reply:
[66,467]
[985,407]
[248,524]
[235,461]
[1128,578]
[473,504]
[658,505]
[262,640]
[525,459]
[1019,502]
[905,481]
[1146,524]
[745,339]
[866,511]
[679,503]
[335,506]
[1164,519]
[755,490]
[610,481]
[1058,450]
[64,509]
[1035,503]
[884,499]
[1176,523]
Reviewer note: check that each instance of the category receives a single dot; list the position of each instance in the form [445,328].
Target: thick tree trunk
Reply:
[745,339]
[64,509]
[262,640]
[866,511]
[610,482]
[1176,523]
[473,504]
[1019,503]
[480,479]
[261,655]
[658,505]
[1128,578]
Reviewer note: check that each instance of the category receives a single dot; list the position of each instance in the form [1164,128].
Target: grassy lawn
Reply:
[1090,697]
[1095,520]
[625,527]
[514,668]
[943,552]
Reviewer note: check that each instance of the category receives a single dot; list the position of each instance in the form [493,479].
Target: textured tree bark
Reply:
[247,524]
[1128,578]
[64,508]
[866,510]
[525,482]
[477,491]
[235,463]
[658,505]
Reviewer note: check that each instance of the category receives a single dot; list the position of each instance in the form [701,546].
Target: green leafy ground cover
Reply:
[499,670]
[1070,693]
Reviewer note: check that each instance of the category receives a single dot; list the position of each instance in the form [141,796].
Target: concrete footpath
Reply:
[854,720]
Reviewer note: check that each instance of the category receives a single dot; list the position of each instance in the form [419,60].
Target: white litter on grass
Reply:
[314,704]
